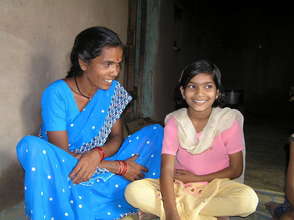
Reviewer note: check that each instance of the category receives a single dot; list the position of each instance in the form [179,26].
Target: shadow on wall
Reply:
[37,81]
[11,183]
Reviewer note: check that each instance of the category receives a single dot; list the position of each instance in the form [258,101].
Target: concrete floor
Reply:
[266,144]
[266,158]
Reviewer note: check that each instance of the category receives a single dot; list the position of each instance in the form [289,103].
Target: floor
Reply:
[266,147]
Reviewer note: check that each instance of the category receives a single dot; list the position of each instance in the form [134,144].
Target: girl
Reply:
[202,151]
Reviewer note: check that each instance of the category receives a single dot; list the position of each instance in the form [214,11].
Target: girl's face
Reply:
[200,93]
[101,70]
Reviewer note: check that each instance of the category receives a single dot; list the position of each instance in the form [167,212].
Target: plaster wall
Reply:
[35,39]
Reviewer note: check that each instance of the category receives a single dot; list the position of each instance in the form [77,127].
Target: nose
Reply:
[115,70]
[199,91]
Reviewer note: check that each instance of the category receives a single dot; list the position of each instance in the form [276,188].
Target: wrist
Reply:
[100,151]
[122,167]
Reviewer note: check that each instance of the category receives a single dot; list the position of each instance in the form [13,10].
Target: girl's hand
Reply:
[172,216]
[135,171]
[87,165]
[186,176]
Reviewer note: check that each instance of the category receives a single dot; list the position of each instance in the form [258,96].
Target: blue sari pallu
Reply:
[49,192]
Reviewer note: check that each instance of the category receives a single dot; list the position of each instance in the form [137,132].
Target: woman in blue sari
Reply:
[78,167]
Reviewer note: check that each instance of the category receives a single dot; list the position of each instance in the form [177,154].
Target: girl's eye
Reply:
[191,86]
[208,86]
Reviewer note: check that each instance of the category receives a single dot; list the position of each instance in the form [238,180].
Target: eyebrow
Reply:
[112,62]
[201,83]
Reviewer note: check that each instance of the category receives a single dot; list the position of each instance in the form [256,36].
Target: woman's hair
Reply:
[89,44]
[193,69]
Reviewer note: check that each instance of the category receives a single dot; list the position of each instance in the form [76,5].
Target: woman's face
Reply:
[200,93]
[101,70]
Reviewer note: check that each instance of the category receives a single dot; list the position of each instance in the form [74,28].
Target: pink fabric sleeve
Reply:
[234,138]
[170,138]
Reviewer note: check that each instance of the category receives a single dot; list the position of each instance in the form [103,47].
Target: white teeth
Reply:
[199,101]
[108,80]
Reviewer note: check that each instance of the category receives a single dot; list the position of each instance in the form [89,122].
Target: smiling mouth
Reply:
[108,80]
[199,101]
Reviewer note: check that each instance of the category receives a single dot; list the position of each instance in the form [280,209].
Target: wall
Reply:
[35,39]
[253,47]
[179,44]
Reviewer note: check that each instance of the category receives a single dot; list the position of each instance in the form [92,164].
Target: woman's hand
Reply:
[186,176]
[77,156]
[135,171]
[86,167]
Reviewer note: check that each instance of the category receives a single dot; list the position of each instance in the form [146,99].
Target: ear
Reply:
[217,94]
[182,92]
[83,65]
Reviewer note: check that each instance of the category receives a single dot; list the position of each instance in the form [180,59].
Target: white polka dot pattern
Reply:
[118,103]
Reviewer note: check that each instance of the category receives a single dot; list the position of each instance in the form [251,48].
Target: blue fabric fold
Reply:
[49,192]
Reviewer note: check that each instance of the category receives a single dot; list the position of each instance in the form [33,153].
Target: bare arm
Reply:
[167,187]
[89,161]
[114,140]
[60,139]
[290,175]
[233,171]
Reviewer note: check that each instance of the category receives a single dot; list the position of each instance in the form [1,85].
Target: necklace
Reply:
[82,94]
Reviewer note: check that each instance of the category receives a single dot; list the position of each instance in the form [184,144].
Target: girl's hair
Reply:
[193,69]
[89,44]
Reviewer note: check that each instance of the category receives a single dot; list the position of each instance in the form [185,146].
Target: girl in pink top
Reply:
[202,152]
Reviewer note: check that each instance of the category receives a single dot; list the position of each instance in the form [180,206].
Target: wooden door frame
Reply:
[142,46]
[135,56]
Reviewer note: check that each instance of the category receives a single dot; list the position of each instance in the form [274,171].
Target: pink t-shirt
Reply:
[215,159]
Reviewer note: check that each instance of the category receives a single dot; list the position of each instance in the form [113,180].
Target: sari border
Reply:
[119,100]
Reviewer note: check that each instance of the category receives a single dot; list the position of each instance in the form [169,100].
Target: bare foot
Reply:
[146,216]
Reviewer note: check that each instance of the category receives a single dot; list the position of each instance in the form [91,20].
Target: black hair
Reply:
[193,69]
[88,44]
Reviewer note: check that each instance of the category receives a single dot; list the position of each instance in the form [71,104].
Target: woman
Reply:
[77,168]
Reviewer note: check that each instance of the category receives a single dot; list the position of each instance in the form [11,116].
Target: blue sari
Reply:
[49,192]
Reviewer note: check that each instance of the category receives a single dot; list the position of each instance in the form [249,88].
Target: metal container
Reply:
[233,97]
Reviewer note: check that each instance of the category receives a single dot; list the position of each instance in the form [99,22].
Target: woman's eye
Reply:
[107,64]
